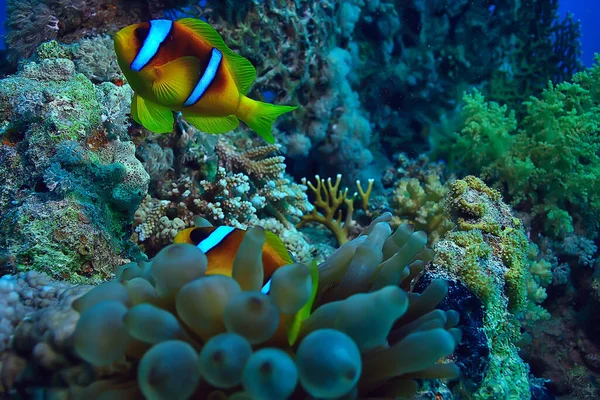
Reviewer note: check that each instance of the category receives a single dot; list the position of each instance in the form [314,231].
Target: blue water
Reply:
[588,12]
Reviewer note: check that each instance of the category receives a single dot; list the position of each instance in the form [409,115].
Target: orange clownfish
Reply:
[221,244]
[186,66]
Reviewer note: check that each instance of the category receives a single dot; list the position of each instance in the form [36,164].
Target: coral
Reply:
[115,103]
[487,251]
[424,54]
[64,238]
[544,49]
[546,164]
[158,221]
[27,331]
[129,192]
[295,242]
[246,185]
[329,198]
[65,189]
[419,201]
[152,226]
[29,23]
[20,296]
[95,58]
[342,129]
[157,319]
[279,195]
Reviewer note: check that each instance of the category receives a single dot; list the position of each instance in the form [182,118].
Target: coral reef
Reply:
[247,188]
[29,23]
[547,164]
[65,188]
[487,252]
[128,327]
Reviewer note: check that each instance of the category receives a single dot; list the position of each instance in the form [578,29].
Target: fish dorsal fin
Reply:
[242,70]
[175,80]
[304,312]
[154,117]
[214,125]
[277,245]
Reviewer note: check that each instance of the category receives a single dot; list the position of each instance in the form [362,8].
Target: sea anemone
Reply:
[185,334]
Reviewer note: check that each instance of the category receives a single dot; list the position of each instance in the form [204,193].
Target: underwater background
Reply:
[272,199]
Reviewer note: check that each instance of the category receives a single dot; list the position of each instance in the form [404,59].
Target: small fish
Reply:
[186,66]
[221,244]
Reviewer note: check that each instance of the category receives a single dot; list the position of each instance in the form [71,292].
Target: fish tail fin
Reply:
[260,116]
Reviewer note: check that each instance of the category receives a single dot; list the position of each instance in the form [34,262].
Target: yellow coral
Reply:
[420,203]
[329,198]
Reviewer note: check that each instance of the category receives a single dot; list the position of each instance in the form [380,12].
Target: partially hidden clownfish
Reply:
[186,66]
[221,244]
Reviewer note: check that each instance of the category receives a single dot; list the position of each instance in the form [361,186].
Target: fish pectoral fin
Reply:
[176,80]
[214,125]
[242,70]
[294,327]
[154,117]
[277,245]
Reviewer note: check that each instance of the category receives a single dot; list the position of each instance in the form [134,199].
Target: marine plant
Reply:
[184,333]
[547,164]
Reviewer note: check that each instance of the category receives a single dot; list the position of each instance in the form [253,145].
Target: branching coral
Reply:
[329,198]
[246,186]
[278,194]
[173,325]
[419,187]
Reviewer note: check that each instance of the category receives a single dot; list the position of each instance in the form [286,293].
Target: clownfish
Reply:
[221,244]
[185,66]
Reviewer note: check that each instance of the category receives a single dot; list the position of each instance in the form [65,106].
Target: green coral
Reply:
[419,201]
[489,253]
[62,103]
[64,239]
[67,191]
[548,163]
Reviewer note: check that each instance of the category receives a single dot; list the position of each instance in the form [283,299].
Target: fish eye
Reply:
[141,33]
[197,235]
